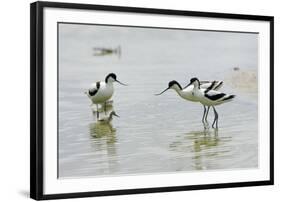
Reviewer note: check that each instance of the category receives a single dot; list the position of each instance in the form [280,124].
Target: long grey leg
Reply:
[204,114]
[216,118]
[97,112]
[105,108]
[207,114]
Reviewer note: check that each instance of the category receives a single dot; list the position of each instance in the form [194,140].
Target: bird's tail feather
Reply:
[230,97]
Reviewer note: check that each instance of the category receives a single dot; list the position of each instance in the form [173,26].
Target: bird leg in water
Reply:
[97,112]
[206,126]
[216,118]
[105,108]
[204,115]
[207,114]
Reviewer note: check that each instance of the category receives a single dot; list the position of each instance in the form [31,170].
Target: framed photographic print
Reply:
[131,100]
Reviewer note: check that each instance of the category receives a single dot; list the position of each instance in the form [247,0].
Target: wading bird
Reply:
[102,91]
[98,51]
[209,85]
[209,97]
[187,92]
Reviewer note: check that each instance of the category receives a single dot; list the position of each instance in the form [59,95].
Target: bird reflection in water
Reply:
[204,148]
[204,139]
[200,144]
[102,108]
[102,129]
[103,143]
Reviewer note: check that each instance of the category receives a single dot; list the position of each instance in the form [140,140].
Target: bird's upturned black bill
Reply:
[116,115]
[121,83]
[163,91]
[187,85]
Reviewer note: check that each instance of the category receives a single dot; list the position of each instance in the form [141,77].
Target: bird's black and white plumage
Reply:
[102,91]
[209,97]
[210,85]
[188,94]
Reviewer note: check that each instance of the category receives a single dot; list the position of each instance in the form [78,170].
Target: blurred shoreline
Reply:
[245,80]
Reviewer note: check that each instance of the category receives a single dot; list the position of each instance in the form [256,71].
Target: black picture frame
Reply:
[37,101]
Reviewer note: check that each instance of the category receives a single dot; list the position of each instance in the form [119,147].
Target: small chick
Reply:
[109,118]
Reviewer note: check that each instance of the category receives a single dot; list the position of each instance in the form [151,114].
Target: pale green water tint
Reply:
[154,134]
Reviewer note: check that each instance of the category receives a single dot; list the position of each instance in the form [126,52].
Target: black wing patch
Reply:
[219,85]
[215,97]
[94,91]
[210,87]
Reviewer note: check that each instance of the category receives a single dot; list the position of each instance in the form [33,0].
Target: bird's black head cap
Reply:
[171,83]
[112,75]
[194,79]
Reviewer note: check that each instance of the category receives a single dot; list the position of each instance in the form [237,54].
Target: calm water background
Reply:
[154,133]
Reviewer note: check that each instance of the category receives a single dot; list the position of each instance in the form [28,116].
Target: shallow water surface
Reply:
[154,134]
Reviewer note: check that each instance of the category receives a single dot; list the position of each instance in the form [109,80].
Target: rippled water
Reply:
[154,133]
